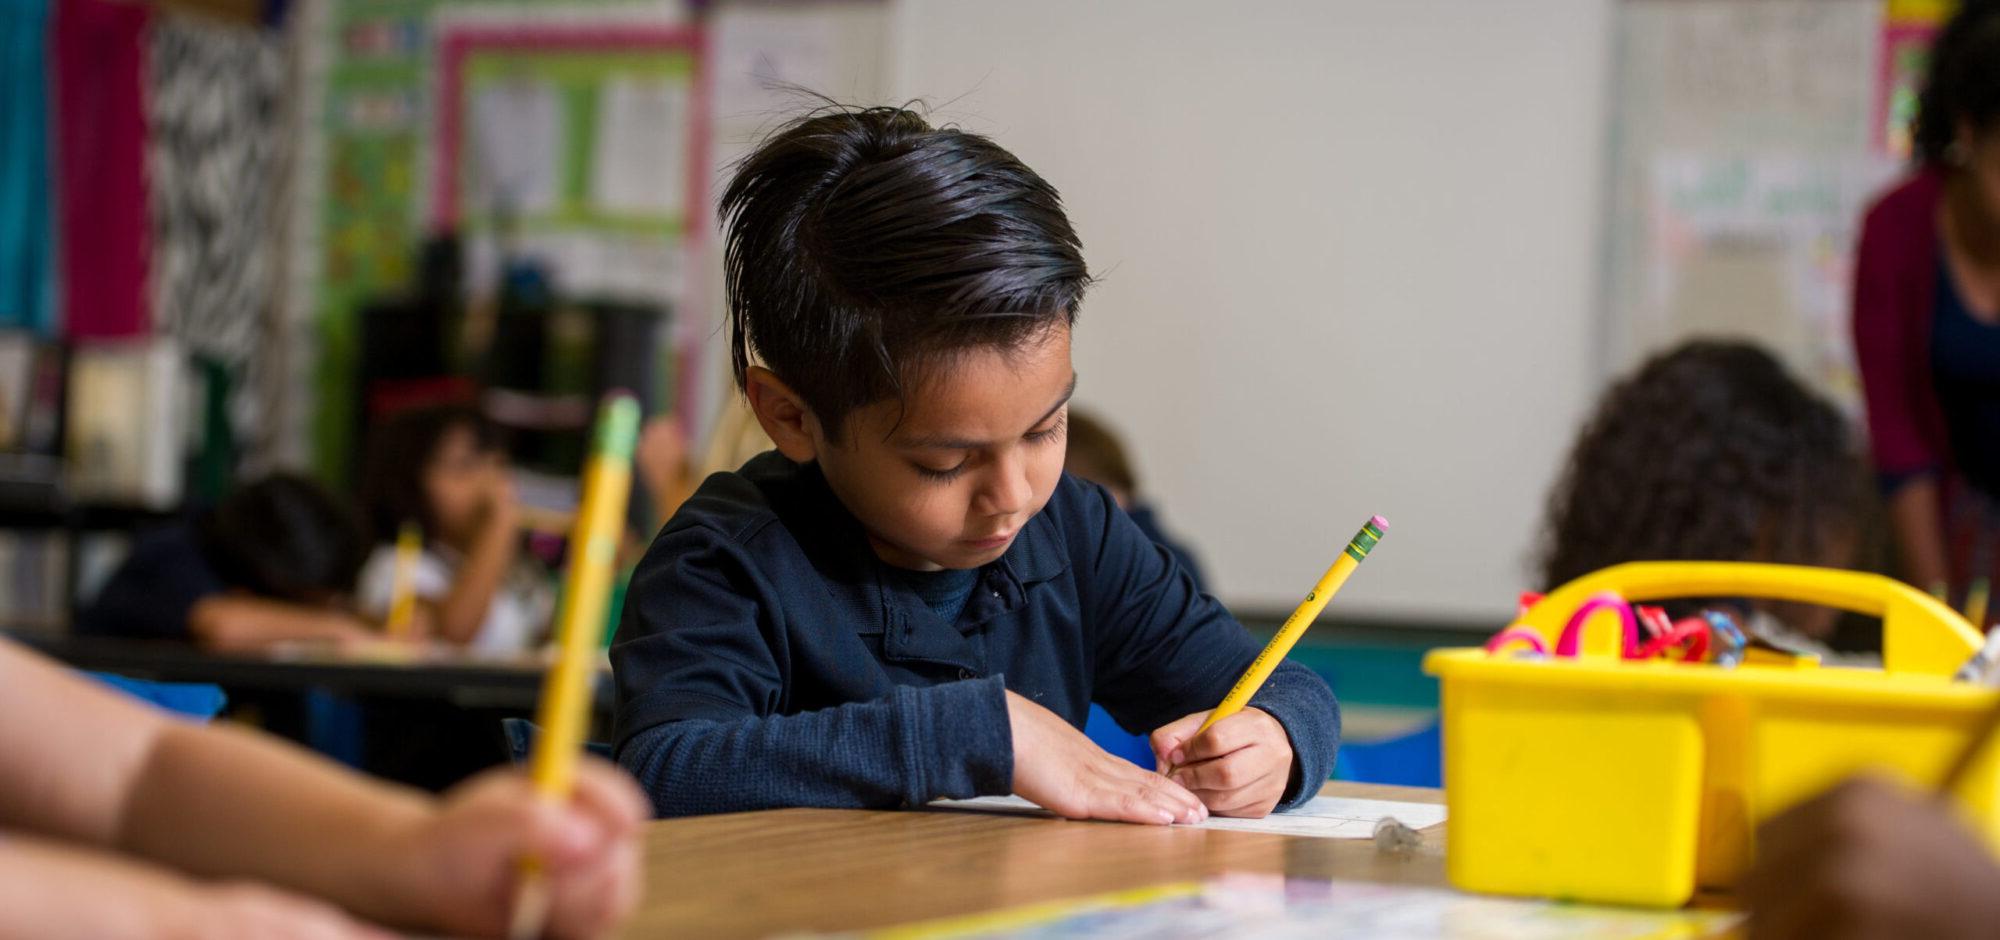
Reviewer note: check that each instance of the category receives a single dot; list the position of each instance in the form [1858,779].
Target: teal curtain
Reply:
[27,227]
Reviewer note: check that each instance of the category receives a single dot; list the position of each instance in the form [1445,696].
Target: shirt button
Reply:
[966,674]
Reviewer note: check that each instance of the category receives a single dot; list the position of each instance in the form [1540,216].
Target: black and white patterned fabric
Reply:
[215,160]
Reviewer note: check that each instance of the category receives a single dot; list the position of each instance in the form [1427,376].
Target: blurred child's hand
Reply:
[1240,767]
[662,453]
[248,911]
[467,857]
[1060,769]
[503,505]
[1871,859]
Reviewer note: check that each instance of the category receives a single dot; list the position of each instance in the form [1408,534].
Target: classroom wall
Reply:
[1348,253]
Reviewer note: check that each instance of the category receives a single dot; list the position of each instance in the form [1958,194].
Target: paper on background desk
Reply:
[1322,817]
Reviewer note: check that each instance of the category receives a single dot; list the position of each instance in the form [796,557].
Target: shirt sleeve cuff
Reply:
[957,739]
[1305,707]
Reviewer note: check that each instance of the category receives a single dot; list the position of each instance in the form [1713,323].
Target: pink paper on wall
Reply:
[100,129]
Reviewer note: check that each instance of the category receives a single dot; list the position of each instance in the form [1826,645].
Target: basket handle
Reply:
[1919,633]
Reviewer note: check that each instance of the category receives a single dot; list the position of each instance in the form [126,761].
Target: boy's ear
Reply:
[782,413]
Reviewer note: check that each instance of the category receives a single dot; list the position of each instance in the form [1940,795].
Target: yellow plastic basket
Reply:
[1597,779]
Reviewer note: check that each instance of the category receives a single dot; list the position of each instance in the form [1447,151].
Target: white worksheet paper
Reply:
[1322,817]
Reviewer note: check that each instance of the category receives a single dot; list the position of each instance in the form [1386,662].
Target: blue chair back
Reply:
[1105,732]
[200,701]
[1411,760]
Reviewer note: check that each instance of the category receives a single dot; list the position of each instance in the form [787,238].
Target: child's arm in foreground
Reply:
[85,765]
[699,720]
[52,891]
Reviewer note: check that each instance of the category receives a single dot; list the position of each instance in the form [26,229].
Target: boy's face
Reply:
[972,459]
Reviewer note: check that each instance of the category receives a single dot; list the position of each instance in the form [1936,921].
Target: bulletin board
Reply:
[581,145]
[393,155]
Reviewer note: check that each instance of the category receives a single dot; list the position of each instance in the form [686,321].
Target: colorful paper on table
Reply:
[1322,817]
[1244,905]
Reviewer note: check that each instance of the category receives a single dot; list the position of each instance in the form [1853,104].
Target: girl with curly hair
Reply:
[1709,452]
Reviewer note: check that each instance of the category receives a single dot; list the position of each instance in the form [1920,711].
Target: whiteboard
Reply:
[1348,253]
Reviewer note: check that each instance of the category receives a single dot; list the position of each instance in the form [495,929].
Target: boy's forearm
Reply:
[919,744]
[55,891]
[278,815]
[1305,707]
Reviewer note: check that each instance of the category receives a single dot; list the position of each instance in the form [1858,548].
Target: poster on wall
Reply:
[577,146]
[1909,27]
[557,124]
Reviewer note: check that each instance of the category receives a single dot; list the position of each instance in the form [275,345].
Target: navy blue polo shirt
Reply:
[767,658]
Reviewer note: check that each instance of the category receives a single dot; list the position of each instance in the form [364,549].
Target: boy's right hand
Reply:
[1060,769]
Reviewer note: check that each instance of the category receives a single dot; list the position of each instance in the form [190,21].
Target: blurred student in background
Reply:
[1711,452]
[1927,319]
[274,561]
[441,468]
[1096,454]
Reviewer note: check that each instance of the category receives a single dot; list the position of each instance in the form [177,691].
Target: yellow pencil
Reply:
[1295,625]
[403,595]
[564,711]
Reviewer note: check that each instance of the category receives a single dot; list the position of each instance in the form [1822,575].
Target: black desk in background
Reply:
[428,721]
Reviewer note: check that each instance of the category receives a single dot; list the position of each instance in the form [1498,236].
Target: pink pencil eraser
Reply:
[1379,523]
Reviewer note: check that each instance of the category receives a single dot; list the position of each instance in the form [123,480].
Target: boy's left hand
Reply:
[1240,767]
[468,854]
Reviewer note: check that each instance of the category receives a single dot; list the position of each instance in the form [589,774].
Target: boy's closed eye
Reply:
[1051,433]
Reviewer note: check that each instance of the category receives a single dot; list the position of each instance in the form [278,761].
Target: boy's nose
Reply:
[1007,491]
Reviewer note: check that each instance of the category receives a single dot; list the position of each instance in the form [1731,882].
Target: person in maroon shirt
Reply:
[1927,318]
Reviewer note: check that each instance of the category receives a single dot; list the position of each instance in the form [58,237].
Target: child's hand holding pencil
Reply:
[1239,767]
[461,863]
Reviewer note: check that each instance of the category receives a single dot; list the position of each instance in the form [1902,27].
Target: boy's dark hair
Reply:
[862,246]
[1096,454]
[392,477]
[284,537]
[1963,83]
[1710,452]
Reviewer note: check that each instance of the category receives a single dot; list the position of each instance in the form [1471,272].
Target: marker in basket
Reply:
[1295,625]
[564,711]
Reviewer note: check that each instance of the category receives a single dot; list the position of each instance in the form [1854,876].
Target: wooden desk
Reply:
[757,874]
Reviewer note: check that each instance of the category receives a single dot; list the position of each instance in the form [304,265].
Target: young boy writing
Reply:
[908,600]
